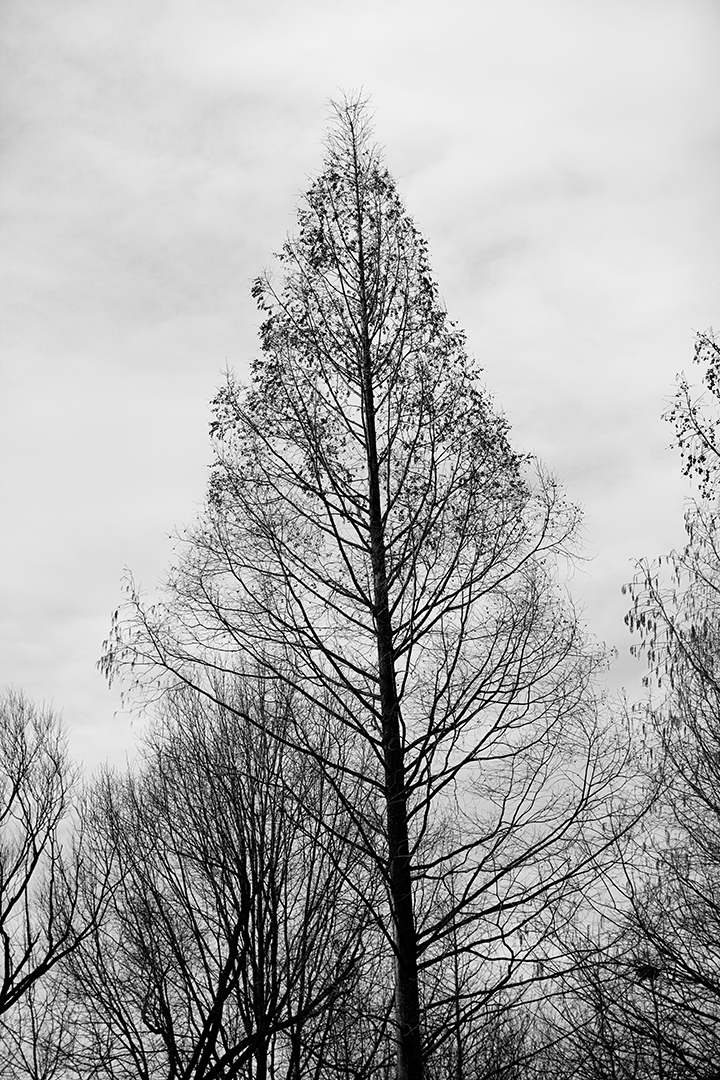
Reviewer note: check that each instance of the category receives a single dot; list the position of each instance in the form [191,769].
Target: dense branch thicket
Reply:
[38,896]
[235,935]
[44,915]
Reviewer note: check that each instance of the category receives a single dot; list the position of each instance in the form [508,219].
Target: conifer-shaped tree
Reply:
[372,540]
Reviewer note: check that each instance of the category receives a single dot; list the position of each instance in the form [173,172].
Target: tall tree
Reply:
[373,541]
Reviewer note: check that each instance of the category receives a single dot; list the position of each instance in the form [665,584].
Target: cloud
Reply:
[561,158]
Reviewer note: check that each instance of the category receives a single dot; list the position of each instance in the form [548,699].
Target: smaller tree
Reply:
[677,614]
[38,1034]
[39,918]
[236,924]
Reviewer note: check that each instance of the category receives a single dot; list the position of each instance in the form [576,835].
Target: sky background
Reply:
[562,157]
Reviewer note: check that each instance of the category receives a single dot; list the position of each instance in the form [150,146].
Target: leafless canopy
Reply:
[373,542]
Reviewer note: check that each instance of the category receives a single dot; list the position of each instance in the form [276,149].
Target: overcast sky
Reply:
[562,157]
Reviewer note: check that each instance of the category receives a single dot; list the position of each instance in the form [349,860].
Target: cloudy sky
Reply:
[562,157]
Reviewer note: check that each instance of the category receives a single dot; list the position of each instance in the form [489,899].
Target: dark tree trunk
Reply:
[407,1002]
[407,999]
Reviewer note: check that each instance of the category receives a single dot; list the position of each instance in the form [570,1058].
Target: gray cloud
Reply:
[561,158]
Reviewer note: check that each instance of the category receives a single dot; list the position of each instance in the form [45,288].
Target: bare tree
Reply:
[40,921]
[373,542]
[232,932]
[674,909]
[37,1033]
[621,1013]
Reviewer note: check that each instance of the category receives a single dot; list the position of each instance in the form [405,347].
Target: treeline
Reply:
[383,822]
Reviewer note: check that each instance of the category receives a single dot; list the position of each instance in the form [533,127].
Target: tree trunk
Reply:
[407,1000]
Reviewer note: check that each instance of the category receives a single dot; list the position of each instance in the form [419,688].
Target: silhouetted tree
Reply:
[373,542]
[37,1034]
[677,613]
[40,921]
[233,927]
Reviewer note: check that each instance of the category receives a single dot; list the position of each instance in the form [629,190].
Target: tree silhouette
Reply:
[373,542]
